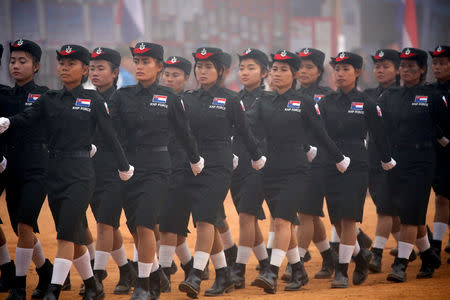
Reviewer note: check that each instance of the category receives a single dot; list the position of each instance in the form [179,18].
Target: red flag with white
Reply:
[409,30]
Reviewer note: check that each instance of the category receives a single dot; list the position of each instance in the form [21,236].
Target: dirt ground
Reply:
[375,287]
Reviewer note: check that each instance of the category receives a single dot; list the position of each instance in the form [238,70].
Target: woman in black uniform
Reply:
[286,117]
[385,71]
[106,201]
[173,234]
[412,114]
[6,264]
[27,155]
[246,183]
[214,112]
[348,116]
[70,116]
[441,184]
[146,111]
[311,207]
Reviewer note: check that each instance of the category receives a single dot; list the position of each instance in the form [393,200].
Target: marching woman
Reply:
[106,203]
[311,207]
[146,112]
[385,71]
[214,113]
[286,118]
[412,113]
[348,116]
[246,183]
[7,267]
[27,155]
[175,211]
[441,184]
[70,116]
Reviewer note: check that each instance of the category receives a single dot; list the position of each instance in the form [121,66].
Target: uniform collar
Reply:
[255,93]
[212,91]
[27,87]
[151,89]
[107,94]
[288,94]
[352,92]
[311,88]
[75,92]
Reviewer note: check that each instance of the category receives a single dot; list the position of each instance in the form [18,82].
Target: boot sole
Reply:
[225,291]
[395,278]
[123,292]
[338,286]
[189,290]
[324,276]
[264,285]
[426,276]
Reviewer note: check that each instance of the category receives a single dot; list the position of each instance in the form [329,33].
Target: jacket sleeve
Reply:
[377,132]
[311,113]
[180,122]
[240,122]
[439,111]
[105,125]
[30,115]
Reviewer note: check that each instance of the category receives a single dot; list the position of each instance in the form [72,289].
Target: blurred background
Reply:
[182,26]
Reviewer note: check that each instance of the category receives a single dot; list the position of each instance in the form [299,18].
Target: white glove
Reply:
[93,151]
[311,154]
[4,124]
[125,175]
[389,165]
[366,145]
[343,164]
[235,161]
[198,166]
[259,164]
[443,141]
[3,165]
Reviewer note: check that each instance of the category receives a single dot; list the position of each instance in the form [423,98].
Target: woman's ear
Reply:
[116,72]
[36,66]
[357,72]
[85,70]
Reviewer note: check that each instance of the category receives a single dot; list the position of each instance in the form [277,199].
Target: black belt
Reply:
[147,148]
[413,146]
[350,142]
[69,154]
[29,147]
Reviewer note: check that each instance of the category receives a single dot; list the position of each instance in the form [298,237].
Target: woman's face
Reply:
[410,71]
[21,66]
[101,74]
[174,78]
[71,71]
[345,76]
[250,73]
[206,73]
[308,73]
[384,71]
[282,76]
[441,68]
[147,68]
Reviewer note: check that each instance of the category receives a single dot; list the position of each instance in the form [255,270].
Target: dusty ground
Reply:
[376,286]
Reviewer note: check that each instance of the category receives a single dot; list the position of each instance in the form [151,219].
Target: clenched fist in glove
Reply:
[343,164]
[125,175]
[311,154]
[198,166]
[259,164]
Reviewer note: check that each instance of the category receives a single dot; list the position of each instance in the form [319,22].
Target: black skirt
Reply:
[70,186]
[346,192]
[247,193]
